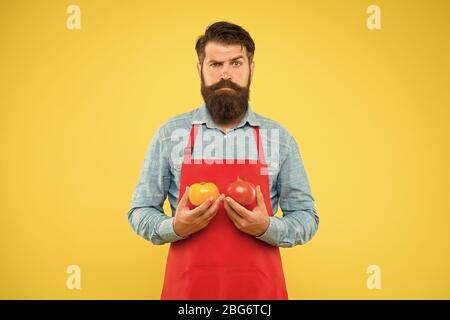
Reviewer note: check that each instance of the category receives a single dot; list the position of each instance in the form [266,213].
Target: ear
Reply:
[252,68]
[199,69]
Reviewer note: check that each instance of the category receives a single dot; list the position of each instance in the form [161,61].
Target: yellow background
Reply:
[369,110]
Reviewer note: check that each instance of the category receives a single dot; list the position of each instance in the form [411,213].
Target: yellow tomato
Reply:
[201,191]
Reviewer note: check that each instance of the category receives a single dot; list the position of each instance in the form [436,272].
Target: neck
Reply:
[227,126]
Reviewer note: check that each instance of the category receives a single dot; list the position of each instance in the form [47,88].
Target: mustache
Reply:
[225,84]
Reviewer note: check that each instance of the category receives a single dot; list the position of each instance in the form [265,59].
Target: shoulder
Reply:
[181,121]
[272,130]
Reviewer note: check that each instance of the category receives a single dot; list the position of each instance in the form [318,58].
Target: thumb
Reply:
[259,197]
[184,199]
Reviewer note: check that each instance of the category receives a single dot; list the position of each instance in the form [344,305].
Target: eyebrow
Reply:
[232,59]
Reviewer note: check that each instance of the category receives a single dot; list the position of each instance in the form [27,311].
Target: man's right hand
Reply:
[187,221]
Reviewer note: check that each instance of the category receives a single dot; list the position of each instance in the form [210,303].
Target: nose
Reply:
[225,74]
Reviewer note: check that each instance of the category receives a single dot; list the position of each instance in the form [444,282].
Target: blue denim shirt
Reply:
[160,175]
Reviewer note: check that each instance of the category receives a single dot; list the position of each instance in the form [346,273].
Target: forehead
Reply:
[222,52]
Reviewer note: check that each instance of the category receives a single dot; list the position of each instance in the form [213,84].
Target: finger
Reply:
[203,207]
[259,197]
[232,214]
[213,208]
[184,199]
[240,210]
[212,211]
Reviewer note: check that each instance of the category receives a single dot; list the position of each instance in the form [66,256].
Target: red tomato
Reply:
[242,191]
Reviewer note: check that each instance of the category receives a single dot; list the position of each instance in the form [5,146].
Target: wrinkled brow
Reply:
[232,59]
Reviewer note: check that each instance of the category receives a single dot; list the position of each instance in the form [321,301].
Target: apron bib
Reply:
[220,262]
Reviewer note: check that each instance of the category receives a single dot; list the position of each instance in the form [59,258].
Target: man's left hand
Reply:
[254,222]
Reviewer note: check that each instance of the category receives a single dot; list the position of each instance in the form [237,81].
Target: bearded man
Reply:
[223,248]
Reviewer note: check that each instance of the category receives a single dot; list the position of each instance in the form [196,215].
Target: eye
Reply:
[237,63]
[215,64]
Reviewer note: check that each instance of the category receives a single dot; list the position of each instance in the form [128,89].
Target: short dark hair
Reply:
[226,33]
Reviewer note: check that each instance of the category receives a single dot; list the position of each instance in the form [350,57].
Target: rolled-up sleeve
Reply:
[146,215]
[300,220]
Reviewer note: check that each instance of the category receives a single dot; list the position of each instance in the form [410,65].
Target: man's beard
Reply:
[226,106]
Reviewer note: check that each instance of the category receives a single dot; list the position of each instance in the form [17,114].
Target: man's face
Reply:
[226,76]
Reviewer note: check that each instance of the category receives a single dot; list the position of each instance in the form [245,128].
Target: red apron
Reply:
[219,261]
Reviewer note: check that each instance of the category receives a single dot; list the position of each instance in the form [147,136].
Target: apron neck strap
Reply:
[259,145]
[190,146]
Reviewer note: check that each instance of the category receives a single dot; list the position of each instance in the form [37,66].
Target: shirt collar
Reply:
[202,115]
